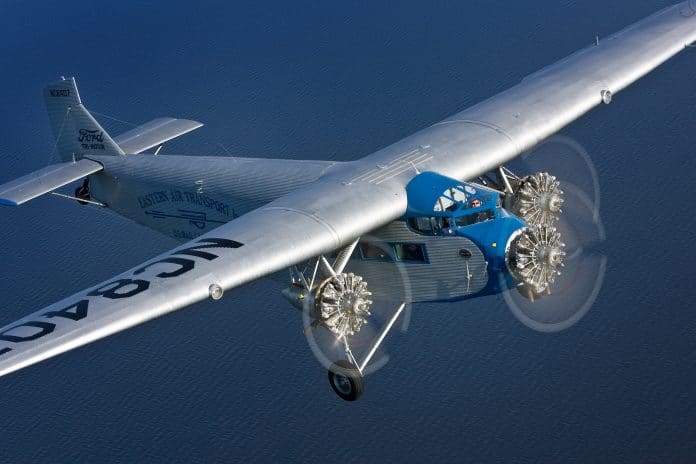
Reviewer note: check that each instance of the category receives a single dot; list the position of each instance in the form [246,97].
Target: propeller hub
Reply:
[538,199]
[535,257]
[551,202]
[342,303]
[549,255]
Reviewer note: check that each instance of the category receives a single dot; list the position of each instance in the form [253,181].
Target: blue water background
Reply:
[235,381]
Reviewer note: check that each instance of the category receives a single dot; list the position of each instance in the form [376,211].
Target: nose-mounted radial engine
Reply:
[535,257]
[512,221]
[457,240]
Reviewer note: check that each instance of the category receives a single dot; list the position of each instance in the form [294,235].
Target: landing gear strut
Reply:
[340,303]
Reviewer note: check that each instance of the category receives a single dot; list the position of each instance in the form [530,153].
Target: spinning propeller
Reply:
[559,259]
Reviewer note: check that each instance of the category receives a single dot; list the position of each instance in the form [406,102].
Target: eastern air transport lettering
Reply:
[118,289]
[153,198]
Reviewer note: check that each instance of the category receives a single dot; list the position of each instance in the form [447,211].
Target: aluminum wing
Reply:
[303,224]
[496,130]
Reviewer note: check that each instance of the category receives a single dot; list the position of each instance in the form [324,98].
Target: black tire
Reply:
[346,381]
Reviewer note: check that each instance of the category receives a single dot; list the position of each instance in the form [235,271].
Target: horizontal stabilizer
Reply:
[45,180]
[154,133]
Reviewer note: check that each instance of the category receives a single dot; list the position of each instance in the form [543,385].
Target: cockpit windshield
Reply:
[451,199]
[454,198]
[439,205]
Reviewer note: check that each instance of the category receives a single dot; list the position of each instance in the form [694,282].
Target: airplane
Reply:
[441,205]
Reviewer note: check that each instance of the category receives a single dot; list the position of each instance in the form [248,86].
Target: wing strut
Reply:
[340,303]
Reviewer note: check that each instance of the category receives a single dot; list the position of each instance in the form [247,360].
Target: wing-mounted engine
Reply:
[341,303]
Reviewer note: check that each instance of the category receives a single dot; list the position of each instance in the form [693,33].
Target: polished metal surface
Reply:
[447,275]
[187,196]
[323,211]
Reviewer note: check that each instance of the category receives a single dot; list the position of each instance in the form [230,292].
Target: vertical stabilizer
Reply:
[77,133]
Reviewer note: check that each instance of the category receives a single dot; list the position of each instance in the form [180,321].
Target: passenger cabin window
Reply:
[372,251]
[410,252]
[387,252]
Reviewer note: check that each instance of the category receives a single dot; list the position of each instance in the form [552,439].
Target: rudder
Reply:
[76,131]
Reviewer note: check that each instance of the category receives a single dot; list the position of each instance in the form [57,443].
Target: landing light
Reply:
[215,291]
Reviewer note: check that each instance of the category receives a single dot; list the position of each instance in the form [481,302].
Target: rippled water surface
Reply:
[235,381]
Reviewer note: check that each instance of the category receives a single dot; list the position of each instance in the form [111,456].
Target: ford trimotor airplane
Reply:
[440,199]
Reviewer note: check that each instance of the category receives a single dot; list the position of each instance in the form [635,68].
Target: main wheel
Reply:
[346,381]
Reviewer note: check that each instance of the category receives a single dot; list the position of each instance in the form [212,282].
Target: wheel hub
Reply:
[342,384]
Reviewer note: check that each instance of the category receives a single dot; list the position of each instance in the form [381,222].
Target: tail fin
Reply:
[77,133]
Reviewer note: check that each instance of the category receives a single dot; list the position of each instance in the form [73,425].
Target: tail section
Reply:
[77,133]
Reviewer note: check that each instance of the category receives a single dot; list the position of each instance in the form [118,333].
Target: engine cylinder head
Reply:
[342,303]
[538,199]
[535,257]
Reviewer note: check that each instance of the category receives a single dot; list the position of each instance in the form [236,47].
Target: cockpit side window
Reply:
[425,225]
[475,218]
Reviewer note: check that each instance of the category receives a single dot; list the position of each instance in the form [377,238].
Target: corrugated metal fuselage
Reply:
[186,196]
